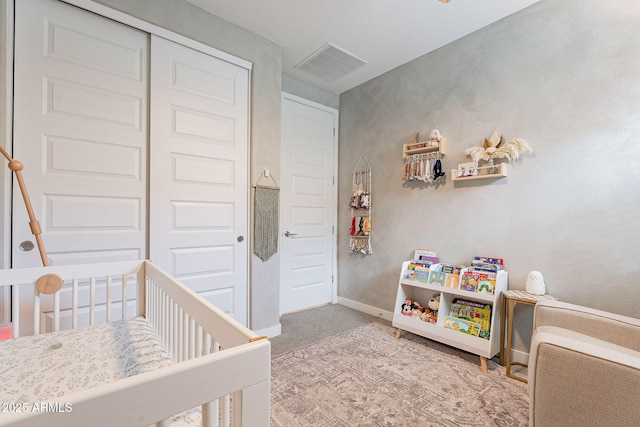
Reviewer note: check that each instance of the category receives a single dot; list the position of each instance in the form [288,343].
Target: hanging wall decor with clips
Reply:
[360,203]
[422,159]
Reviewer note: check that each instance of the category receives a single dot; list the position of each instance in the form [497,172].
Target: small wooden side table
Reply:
[510,298]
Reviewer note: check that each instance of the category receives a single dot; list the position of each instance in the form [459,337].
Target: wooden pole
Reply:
[49,283]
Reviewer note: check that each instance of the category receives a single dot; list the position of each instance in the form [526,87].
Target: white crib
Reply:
[217,370]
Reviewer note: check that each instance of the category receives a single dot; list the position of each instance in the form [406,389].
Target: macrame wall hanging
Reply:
[266,218]
[360,203]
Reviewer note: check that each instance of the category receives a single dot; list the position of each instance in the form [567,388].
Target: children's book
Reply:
[452,281]
[430,259]
[487,264]
[485,259]
[451,268]
[419,253]
[486,283]
[437,278]
[469,281]
[467,326]
[474,311]
[416,264]
[421,274]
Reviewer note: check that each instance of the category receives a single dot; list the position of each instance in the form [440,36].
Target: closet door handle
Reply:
[26,246]
[287,234]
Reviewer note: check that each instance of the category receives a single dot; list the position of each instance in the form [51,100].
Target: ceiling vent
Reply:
[330,63]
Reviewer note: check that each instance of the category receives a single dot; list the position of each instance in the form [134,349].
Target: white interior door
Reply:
[80,128]
[309,148]
[199,173]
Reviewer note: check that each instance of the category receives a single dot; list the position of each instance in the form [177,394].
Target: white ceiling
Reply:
[384,33]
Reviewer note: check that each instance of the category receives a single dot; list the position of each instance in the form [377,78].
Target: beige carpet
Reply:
[365,377]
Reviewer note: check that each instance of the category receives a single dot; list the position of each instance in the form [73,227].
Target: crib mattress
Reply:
[42,367]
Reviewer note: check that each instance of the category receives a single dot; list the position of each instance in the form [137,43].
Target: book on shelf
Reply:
[481,275]
[486,283]
[437,278]
[484,259]
[460,324]
[451,268]
[489,268]
[430,259]
[469,281]
[419,266]
[421,274]
[452,281]
[491,265]
[420,253]
[475,312]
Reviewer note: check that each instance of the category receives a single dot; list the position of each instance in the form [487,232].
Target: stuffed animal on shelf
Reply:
[407,307]
[417,309]
[434,138]
[434,305]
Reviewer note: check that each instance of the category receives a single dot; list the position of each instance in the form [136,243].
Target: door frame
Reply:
[334,273]
[6,122]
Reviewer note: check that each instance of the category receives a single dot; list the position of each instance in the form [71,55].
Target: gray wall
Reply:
[310,92]
[563,76]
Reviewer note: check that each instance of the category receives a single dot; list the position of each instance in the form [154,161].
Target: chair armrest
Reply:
[613,328]
[578,380]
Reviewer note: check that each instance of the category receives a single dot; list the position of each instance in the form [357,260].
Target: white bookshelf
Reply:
[423,292]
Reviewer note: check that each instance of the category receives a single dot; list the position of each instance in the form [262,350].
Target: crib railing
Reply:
[187,330]
[91,293]
[184,323]
[221,366]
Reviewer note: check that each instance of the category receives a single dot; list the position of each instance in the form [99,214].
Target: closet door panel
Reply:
[80,128]
[198,173]
[81,92]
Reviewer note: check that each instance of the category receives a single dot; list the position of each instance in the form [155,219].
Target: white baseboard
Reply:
[271,332]
[519,356]
[374,311]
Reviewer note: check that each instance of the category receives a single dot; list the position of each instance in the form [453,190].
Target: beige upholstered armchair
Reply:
[584,367]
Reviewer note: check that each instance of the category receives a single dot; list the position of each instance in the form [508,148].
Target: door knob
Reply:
[287,234]
[240,238]
[26,246]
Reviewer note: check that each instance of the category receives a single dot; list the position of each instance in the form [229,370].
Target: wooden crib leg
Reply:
[398,333]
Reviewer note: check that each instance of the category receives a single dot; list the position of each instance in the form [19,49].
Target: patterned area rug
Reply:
[365,377]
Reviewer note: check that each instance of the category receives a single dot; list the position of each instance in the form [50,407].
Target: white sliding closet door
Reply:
[198,173]
[80,128]
[81,132]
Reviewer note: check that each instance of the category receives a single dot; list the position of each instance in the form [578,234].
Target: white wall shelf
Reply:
[419,291]
[483,172]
